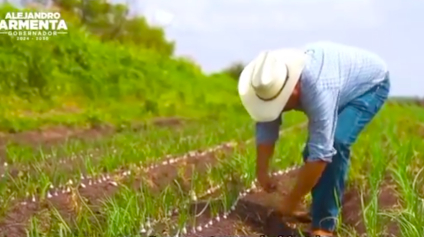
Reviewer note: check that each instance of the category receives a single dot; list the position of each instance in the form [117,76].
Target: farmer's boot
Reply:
[321,233]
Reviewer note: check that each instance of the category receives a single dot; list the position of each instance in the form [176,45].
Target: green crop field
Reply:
[103,137]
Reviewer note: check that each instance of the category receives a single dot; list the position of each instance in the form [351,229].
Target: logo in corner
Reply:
[33,25]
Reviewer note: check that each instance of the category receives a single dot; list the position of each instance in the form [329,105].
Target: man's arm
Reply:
[322,114]
[263,156]
[267,134]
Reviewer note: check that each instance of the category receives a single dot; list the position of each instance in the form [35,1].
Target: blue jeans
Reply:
[352,118]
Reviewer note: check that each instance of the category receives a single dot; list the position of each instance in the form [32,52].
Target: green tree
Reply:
[111,23]
[234,70]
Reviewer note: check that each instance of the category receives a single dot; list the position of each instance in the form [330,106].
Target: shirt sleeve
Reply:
[268,132]
[322,106]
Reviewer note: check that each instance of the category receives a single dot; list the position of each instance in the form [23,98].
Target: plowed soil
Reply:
[256,213]
[55,135]
[51,166]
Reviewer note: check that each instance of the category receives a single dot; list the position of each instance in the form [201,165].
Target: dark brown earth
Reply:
[169,121]
[16,219]
[50,167]
[54,135]
[255,214]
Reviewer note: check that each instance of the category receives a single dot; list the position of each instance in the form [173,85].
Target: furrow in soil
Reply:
[255,214]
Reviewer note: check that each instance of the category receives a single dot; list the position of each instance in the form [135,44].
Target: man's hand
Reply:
[264,153]
[265,182]
[288,206]
[308,176]
[289,209]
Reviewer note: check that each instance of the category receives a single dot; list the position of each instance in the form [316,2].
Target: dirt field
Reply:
[121,184]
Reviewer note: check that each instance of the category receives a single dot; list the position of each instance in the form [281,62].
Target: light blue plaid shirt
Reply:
[334,75]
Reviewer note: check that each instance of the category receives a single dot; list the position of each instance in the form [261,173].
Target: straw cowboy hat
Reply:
[267,82]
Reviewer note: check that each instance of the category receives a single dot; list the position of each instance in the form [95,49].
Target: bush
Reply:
[119,79]
[234,70]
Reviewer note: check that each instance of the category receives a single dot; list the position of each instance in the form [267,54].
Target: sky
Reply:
[218,32]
